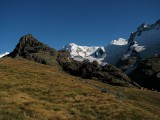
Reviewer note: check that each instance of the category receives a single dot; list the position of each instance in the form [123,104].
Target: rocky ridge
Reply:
[30,48]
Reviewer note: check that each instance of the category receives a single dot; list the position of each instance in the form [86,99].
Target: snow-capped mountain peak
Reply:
[71,45]
[103,54]
[120,41]
[81,53]
[4,54]
[76,50]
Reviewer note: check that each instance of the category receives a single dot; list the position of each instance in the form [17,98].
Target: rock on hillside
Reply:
[30,48]
[93,70]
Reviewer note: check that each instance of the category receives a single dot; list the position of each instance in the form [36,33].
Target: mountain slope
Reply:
[148,40]
[116,50]
[143,43]
[29,90]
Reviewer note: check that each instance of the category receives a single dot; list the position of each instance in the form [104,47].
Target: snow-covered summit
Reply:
[84,52]
[103,54]
[120,41]
[4,54]
[76,50]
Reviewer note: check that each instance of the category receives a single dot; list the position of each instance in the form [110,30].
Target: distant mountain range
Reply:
[125,54]
[102,54]
[138,57]
[143,43]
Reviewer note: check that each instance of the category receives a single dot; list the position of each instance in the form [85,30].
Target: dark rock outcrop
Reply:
[63,56]
[107,74]
[147,73]
[30,48]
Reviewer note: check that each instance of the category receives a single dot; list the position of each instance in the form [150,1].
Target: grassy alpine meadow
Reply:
[32,91]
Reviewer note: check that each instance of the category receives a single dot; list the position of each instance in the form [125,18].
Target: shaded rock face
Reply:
[147,73]
[30,48]
[126,64]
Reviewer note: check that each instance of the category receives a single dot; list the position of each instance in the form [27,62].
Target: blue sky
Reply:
[84,22]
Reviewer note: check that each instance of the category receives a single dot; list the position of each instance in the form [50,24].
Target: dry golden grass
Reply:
[31,91]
